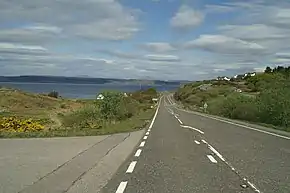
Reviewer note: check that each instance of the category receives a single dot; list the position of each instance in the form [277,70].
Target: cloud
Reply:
[94,19]
[22,49]
[212,8]
[30,34]
[163,58]
[186,17]
[283,55]
[158,47]
[255,32]
[225,45]
[120,54]
[107,29]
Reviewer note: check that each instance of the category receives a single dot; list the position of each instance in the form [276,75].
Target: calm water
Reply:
[78,90]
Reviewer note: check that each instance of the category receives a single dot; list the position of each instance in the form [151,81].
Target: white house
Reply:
[253,74]
[226,78]
[100,97]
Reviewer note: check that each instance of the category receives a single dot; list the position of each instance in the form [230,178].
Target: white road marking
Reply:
[145,137]
[138,152]
[153,120]
[147,133]
[197,142]
[180,121]
[229,165]
[131,167]
[189,127]
[142,144]
[240,125]
[149,130]
[216,152]
[253,187]
[122,187]
[211,158]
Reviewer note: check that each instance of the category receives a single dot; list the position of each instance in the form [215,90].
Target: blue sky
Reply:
[148,39]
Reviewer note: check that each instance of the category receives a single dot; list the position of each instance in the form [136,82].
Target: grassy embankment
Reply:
[265,98]
[32,115]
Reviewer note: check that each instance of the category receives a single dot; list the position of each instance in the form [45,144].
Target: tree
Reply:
[268,70]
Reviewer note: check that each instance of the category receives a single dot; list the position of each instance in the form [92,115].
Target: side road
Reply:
[76,164]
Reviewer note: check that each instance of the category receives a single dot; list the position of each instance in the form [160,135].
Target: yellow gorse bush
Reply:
[12,124]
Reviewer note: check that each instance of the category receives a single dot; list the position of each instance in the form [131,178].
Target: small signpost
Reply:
[205,107]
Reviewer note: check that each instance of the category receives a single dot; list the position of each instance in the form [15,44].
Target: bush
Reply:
[53,94]
[87,117]
[236,106]
[13,125]
[274,106]
[115,106]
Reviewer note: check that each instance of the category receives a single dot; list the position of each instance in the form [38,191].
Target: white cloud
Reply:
[218,8]
[255,32]
[10,46]
[97,19]
[166,58]
[158,47]
[30,34]
[107,29]
[186,17]
[283,55]
[225,45]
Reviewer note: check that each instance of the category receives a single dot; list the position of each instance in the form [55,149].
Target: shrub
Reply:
[13,124]
[53,94]
[194,100]
[274,106]
[115,106]
[236,106]
[87,117]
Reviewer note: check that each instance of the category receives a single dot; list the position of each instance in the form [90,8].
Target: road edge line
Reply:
[155,115]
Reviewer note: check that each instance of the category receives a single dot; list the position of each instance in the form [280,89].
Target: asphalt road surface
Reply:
[188,152]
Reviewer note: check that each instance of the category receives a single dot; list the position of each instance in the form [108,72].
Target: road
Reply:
[57,165]
[188,152]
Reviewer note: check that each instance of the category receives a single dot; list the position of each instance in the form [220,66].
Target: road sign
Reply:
[205,105]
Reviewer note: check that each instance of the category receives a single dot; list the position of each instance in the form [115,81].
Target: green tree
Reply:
[268,70]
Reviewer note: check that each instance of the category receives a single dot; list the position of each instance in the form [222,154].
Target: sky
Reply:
[143,39]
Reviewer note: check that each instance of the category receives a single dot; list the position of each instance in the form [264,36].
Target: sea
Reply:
[84,91]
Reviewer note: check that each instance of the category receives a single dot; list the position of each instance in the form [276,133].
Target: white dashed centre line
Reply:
[211,158]
[147,133]
[189,127]
[122,187]
[138,152]
[197,142]
[180,121]
[131,167]
[142,144]
[145,137]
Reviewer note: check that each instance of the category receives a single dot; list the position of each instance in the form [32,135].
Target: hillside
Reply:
[37,115]
[263,98]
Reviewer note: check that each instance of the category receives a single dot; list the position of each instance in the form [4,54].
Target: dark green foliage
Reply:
[270,102]
[268,70]
[53,94]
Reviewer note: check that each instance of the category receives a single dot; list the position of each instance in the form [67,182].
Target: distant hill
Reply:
[84,80]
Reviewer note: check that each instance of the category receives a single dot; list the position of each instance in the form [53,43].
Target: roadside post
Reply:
[205,107]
